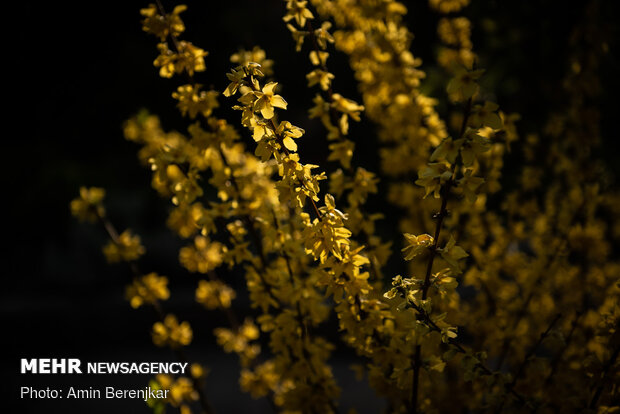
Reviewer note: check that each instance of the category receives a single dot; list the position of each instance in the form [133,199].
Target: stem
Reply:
[206,406]
[460,349]
[286,151]
[305,335]
[250,225]
[317,49]
[440,216]
[114,236]
[180,355]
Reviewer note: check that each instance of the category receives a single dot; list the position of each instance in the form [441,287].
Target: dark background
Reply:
[77,70]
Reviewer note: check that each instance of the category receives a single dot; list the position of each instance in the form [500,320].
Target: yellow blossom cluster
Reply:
[214,294]
[335,111]
[509,302]
[181,393]
[147,289]
[240,342]
[89,206]
[203,256]
[455,33]
[171,333]
[126,248]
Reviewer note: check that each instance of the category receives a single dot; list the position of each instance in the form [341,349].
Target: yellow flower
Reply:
[324,79]
[297,10]
[171,333]
[347,106]
[298,36]
[260,129]
[351,264]
[432,177]
[455,32]
[327,235]
[364,183]
[448,6]
[342,152]
[444,282]
[263,379]
[287,132]
[318,58]
[403,287]
[147,289]
[239,341]
[235,77]
[323,36]
[214,294]
[320,108]
[189,58]
[416,244]
[162,26]
[267,100]
[203,256]
[88,206]
[127,248]
[193,101]
[182,390]
[256,55]
[266,148]
[198,371]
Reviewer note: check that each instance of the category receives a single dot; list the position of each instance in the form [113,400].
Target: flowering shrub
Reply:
[510,300]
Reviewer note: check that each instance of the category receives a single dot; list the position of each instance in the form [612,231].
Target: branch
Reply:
[440,216]
[180,354]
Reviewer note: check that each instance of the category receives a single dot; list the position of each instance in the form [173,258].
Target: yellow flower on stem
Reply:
[203,256]
[267,100]
[416,244]
[287,132]
[147,289]
[318,76]
[172,333]
[163,26]
[193,101]
[88,206]
[297,10]
[214,294]
[432,177]
[342,152]
[127,248]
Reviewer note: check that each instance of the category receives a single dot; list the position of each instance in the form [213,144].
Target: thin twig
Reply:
[161,315]
[440,216]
